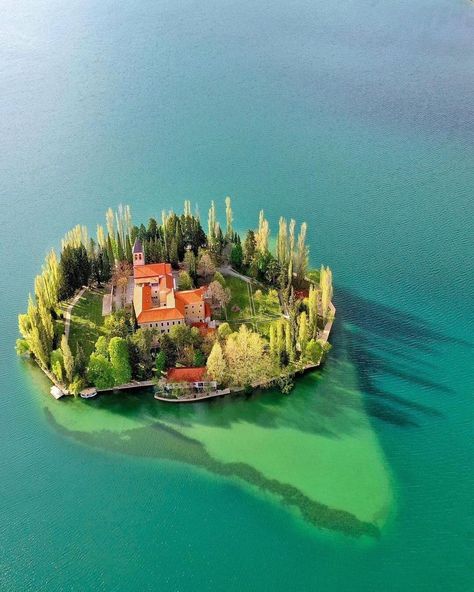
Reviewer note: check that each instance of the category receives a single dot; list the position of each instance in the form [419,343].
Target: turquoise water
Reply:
[355,117]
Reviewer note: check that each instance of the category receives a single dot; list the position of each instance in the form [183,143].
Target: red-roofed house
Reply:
[186,374]
[157,303]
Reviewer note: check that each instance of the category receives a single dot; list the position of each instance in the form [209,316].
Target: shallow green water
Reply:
[355,117]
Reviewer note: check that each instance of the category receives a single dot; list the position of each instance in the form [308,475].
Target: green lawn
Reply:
[248,307]
[86,321]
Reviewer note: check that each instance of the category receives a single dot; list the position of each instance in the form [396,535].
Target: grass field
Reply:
[248,307]
[86,321]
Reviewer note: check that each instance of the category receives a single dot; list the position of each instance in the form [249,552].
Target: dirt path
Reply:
[67,314]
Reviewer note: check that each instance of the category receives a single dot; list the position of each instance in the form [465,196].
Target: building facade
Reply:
[156,301]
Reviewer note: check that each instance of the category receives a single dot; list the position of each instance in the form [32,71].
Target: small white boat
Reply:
[89,393]
[56,392]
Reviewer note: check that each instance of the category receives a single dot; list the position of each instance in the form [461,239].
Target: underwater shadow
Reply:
[385,343]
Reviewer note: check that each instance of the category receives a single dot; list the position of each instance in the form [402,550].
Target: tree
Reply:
[301,256]
[32,331]
[100,372]
[262,234]
[122,271]
[313,351]
[219,295]
[218,277]
[76,385]
[120,250]
[229,218]
[119,360]
[173,254]
[68,360]
[223,331]
[184,281]
[206,266]
[75,270]
[199,359]
[211,225]
[302,332]
[100,267]
[167,346]
[117,324]
[236,256]
[57,364]
[216,364]
[80,361]
[102,346]
[247,358]
[160,363]
[141,343]
[185,340]
[250,245]
[190,263]
[313,311]
[282,243]
[325,281]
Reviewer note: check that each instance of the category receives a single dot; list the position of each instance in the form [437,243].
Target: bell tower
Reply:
[138,254]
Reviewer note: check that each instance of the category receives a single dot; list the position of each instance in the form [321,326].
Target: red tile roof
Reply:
[151,270]
[155,315]
[186,374]
[190,296]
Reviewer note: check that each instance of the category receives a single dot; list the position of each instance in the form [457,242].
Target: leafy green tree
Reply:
[80,361]
[160,363]
[250,245]
[236,256]
[302,332]
[117,324]
[57,367]
[120,250]
[100,372]
[68,359]
[168,347]
[186,340]
[77,385]
[229,218]
[174,257]
[119,360]
[184,281]
[218,277]
[223,331]
[190,263]
[216,364]
[102,346]
[206,266]
[262,234]
[199,359]
[313,351]
[247,357]
[142,340]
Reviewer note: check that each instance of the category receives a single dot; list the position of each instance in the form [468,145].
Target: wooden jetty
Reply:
[194,396]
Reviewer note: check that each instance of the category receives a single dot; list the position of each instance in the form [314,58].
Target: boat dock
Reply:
[194,396]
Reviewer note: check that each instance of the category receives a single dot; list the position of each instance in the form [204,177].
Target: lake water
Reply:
[356,117]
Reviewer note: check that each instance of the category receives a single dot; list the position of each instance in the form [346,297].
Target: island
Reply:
[192,314]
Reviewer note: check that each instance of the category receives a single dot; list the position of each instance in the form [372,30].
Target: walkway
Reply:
[228,270]
[67,314]
[194,397]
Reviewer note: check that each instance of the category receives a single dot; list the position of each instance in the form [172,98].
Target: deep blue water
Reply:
[356,117]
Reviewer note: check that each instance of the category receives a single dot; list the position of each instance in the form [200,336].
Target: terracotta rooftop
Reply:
[190,296]
[186,374]
[151,270]
[155,315]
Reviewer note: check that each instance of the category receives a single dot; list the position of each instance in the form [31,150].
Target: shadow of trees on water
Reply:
[374,343]
[386,344]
